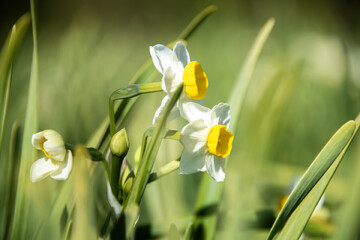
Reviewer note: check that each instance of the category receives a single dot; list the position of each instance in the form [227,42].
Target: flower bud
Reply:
[119,145]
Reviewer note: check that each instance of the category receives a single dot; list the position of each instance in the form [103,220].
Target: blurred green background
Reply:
[305,86]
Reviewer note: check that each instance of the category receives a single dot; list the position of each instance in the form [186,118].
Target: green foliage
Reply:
[210,191]
[299,207]
[303,87]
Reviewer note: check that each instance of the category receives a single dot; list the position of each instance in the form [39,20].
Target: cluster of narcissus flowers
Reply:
[206,138]
[57,162]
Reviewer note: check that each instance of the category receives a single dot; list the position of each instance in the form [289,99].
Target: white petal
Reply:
[65,168]
[160,109]
[42,168]
[192,162]
[36,139]
[54,145]
[184,99]
[115,205]
[220,114]
[181,56]
[215,167]
[193,111]
[170,81]
[194,136]
[161,56]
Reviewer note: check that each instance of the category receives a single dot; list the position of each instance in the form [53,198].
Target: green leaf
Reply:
[11,179]
[165,170]
[84,221]
[8,53]
[239,93]
[210,191]
[189,232]
[196,22]
[301,203]
[174,233]
[24,187]
[151,151]
[148,159]
[347,225]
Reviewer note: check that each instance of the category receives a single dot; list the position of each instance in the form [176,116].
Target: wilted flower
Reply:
[176,68]
[206,139]
[57,162]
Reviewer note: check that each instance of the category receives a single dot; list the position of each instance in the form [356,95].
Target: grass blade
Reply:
[210,191]
[196,22]
[11,179]
[143,174]
[148,159]
[84,223]
[19,227]
[302,201]
[8,53]
[349,220]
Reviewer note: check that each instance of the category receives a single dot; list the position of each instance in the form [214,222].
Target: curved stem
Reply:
[165,170]
[111,115]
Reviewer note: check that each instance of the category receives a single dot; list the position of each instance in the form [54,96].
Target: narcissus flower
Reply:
[176,68]
[57,162]
[206,140]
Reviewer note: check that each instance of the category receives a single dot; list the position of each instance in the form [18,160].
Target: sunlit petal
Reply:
[192,162]
[161,56]
[215,167]
[181,56]
[220,114]
[37,139]
[42,168]
[65,168]
[194,136]
[160,110]
[193,111]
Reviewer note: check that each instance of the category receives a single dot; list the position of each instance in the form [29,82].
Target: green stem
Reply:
[107,169]
[165,170]
[195,23]
[115,174]
[147,161]
[112,115]
[129,91]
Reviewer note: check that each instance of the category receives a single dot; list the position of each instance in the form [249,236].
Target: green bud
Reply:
[119,145]
[127,186]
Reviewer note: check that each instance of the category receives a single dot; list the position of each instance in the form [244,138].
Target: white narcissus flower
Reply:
[206,140]
[176,68]
[57,162]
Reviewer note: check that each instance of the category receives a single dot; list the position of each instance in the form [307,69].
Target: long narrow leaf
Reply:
[302,201]
[8,53]
[84,223]
[11,179]
[143,174]
[210,191]
[19,227]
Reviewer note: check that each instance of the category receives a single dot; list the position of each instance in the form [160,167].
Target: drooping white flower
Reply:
[176,68]
[57,162]
[206,140]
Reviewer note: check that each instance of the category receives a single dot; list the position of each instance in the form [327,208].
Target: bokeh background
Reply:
[305,86]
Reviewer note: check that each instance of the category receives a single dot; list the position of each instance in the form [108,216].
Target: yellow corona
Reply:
[219,141]
[195,81]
